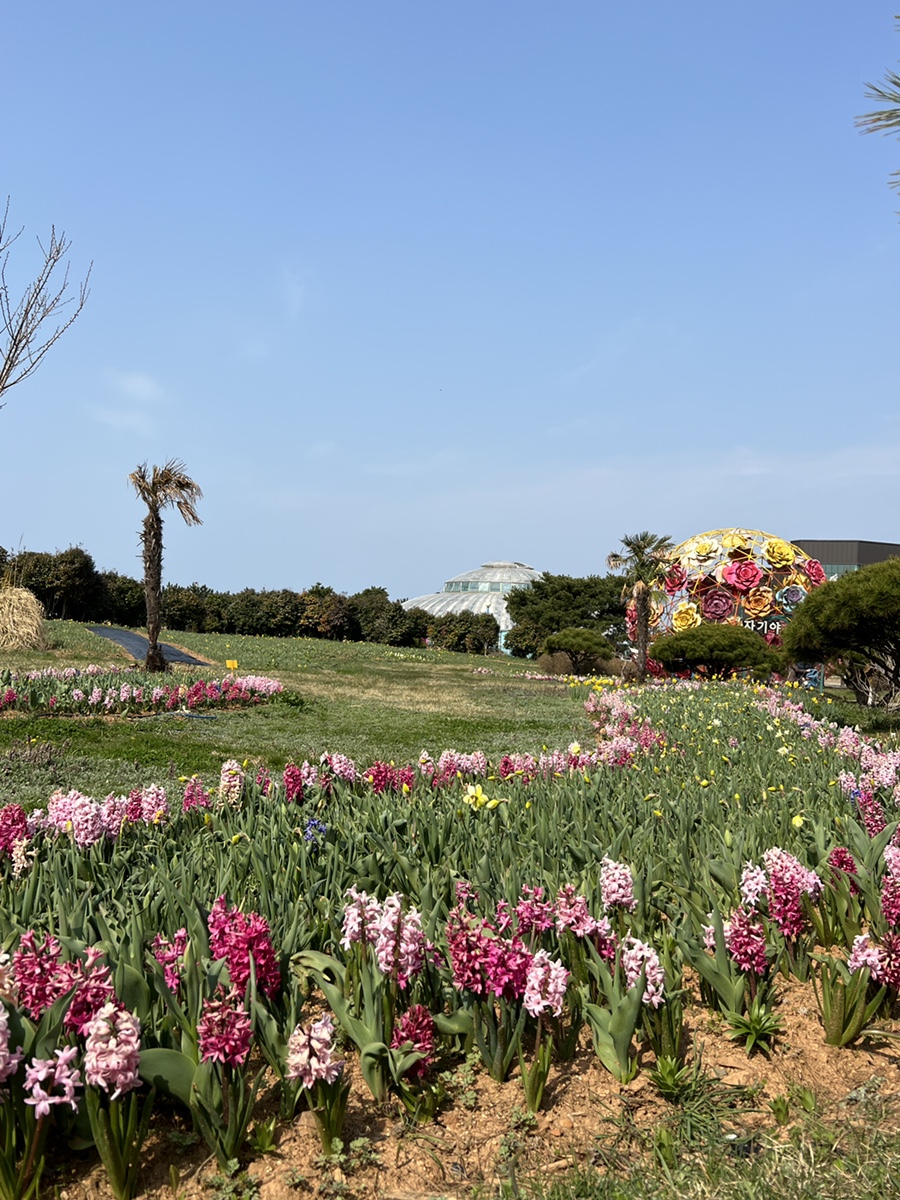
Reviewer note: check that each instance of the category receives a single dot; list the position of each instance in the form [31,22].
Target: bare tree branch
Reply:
[32,324]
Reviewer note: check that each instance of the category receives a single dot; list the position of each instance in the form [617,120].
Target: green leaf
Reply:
[170,1071]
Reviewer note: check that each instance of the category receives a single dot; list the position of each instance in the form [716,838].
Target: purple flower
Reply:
[195,795]
[76,815]
[397,938]
[842,862]
[506,967]
[399,941]
[315,833]
[890,899]
[889,964]
[171,956]
[93,988]
[717,604]
[35,968]
[9,1059]
[154,804]
[467,942]
[361,917]
[791,596]
[337,766]
[864,954]
[789,881]
[892,860]
[870,811]
[13,827]
[41,979]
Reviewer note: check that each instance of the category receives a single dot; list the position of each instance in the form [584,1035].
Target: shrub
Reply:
[719,649]
[856,619]
[587,649]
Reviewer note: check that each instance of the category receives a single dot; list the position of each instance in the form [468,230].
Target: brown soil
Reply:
[584,1111]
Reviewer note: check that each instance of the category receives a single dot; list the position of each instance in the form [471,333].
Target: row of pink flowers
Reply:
[776,892]
[203,693]
[876,766]
[87,821]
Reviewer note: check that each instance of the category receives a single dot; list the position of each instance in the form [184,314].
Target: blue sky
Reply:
[414,286]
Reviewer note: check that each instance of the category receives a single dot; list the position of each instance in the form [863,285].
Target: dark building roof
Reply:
[856,554]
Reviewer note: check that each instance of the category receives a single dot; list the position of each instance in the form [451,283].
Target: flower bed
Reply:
[96,690]
[715,841]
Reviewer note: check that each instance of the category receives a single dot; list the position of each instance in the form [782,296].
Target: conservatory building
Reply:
[483,590]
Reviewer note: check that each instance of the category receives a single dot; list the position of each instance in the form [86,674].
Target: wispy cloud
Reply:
[627,340]
[124,420]
[134,398]
[136,385]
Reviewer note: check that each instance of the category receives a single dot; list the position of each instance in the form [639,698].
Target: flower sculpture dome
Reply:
[733,577]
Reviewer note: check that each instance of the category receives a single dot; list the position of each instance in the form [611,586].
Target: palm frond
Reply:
[166,487]
[883,120]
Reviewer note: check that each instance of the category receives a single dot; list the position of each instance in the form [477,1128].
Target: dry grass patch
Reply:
[21,620]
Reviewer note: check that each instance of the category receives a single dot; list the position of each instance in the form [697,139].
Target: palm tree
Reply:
[163,487]
[639,560]
[887,119]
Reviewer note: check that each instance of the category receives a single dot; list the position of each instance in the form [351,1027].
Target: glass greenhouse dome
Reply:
[483,590]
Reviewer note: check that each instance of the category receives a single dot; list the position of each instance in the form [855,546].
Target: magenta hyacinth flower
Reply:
[224,1031]
[416,1028]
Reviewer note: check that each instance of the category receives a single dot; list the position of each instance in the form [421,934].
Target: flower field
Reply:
[672,938]
[111,690]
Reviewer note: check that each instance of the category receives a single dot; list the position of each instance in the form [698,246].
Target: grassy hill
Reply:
[366,701]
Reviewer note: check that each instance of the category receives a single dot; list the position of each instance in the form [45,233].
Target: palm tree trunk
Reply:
[153,552]
[642,630]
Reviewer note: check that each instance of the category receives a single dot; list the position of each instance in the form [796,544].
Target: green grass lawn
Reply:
[359,699]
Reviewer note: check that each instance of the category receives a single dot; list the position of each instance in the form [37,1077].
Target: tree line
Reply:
[70,587]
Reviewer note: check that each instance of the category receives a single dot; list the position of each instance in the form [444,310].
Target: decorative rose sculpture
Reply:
[734,577]
[780,554]
[759,602]
[742,575]
[685,616]
[717,605]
